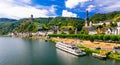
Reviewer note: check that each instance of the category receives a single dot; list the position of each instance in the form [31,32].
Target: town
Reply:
[108,30]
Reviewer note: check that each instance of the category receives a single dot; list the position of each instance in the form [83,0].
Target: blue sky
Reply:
[17,9]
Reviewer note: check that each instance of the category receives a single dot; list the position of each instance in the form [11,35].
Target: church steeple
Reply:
[88,25]
[87,19]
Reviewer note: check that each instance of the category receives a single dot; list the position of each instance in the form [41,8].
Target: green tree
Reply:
[27,26]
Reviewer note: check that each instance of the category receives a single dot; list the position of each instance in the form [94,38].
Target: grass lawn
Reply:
[88,50]
[115,56]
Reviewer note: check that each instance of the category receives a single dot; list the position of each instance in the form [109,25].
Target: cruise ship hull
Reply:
[71,51]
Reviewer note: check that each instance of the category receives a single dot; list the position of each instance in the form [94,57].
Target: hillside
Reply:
[7,20]
[46,23]
[115,16]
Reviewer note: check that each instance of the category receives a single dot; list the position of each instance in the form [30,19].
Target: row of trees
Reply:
[89,37]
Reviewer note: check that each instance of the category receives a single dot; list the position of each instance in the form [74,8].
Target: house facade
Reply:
[114,31]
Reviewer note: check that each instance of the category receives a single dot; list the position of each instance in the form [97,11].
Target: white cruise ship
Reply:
[70,48]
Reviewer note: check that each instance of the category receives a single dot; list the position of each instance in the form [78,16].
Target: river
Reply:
[18,51]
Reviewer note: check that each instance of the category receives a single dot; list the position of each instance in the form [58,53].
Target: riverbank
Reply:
[114,56]
[31,37]
[102,48]
[4,35]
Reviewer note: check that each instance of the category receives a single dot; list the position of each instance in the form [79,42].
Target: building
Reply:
[89,26]
[114,31]
[65,30]
[107,22]
[87,19]
[31,18]
[56,29]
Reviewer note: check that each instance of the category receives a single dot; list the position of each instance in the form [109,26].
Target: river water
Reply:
[17,51]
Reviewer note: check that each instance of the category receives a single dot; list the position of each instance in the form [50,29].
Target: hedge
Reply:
[88,37]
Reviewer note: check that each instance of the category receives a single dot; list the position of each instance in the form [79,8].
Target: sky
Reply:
[17,9]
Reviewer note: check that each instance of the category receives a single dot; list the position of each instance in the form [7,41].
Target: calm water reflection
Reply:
[17,51]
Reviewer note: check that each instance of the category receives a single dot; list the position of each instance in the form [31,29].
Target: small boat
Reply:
[70,48]
[99,56]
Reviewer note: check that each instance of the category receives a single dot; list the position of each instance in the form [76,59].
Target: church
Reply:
[88,25]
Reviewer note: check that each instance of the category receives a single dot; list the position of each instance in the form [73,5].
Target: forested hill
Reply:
[46,23]
[115,16]
[7,20]
[62,21]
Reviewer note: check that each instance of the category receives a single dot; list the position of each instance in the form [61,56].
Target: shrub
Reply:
[88,37]
[114,38]
[106,37]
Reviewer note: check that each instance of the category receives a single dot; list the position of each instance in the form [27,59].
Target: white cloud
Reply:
[65,13]
[90,8]
[16,10]
[26,1]
[110,8]
[94,5]
[74,3]
[107,5]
